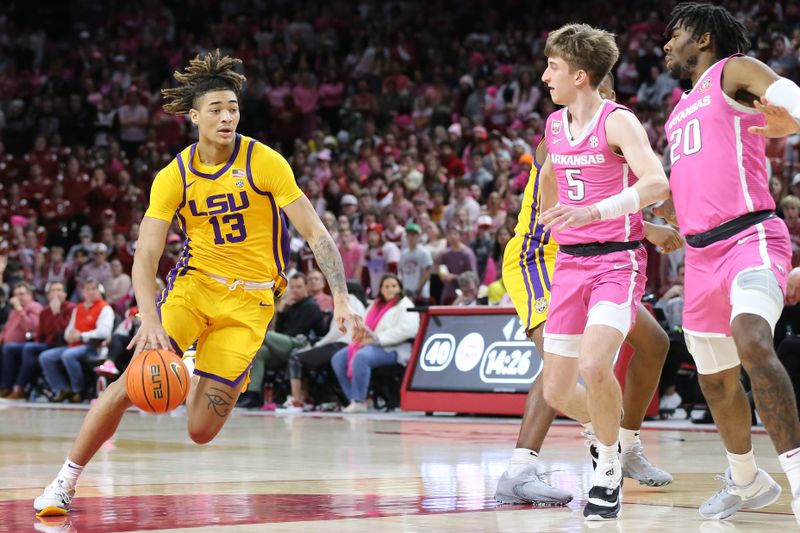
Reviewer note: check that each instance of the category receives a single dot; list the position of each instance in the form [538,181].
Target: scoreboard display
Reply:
[475,353]
[477,360]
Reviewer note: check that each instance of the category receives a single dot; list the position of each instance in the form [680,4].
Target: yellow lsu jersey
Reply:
[230,213]
[529,258]
[528,220]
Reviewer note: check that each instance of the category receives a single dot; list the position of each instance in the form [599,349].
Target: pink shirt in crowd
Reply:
[21,322]
[352,259]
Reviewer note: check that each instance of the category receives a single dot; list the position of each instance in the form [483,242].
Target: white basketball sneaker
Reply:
[762,491]
[55,499]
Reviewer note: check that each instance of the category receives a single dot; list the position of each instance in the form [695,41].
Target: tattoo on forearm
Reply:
[330,262]
[219,401]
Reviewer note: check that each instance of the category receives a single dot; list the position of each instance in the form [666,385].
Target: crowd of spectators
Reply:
[409,125]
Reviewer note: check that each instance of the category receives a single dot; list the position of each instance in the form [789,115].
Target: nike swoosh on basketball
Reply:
[174,368]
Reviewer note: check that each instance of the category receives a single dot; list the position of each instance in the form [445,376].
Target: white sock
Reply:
[588,426]
[743,467]
[521,458]
[790,462]
[70,472]
[628,438]
[606,454]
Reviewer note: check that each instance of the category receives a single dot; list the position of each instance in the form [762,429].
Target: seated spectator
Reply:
[321,353]
[22,322]
[469,290]
[316,288]
[391,329]
[20,363]
[298,317]
[90,325]
[457,258]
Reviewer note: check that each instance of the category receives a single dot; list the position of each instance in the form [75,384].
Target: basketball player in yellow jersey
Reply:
[528,264]
[228,193]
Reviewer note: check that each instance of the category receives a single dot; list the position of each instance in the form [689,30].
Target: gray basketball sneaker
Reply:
[530,486]
[762,491]
[636,466]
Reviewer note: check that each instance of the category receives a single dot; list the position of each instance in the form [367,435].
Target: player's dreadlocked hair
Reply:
[213,72]
[727,33]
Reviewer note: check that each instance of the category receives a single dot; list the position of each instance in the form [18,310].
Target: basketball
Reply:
[157,381]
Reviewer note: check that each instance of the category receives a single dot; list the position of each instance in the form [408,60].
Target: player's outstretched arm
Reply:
[302,215]
[778,99]
[149,247]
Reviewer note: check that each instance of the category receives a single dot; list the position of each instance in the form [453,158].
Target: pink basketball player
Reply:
[594,147]
[738,253]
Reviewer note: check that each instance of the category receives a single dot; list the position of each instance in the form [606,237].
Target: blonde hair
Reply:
[791,201]
[586,48]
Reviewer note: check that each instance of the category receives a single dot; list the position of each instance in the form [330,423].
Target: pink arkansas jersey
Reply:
[718,168]
[588,170]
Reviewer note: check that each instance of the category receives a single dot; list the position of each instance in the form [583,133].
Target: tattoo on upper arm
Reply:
[330,262]
[219,401]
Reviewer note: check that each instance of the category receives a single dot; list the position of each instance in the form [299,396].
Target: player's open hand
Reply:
[667,238]
[779,122]
[151,336]
[343,314]
[565,216]
[793,287]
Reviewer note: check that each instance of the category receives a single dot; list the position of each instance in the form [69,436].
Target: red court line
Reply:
[129,513]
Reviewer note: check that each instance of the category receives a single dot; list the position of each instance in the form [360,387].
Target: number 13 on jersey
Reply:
[235,222]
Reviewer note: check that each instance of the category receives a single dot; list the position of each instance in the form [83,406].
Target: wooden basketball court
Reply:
[408,472]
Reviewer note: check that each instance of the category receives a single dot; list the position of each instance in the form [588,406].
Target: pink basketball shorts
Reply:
[711,271]
[595,290]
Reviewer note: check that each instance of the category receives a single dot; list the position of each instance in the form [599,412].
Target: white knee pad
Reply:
[757,292]
[563,345]
[611,315]
[711,352]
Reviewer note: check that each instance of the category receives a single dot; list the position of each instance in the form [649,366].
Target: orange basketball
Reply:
[157,381]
